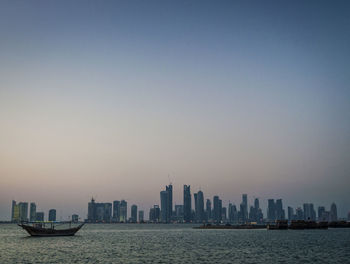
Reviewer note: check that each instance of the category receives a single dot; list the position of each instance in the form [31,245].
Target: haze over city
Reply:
[116,99]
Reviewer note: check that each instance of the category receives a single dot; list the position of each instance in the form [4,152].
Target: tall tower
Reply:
[169,189]
[199,205]
[333,212]
[187,203]
[244,207]
[32,212]
[164,206]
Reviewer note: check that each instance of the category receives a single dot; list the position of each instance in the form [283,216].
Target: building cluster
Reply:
[308,213]
[19,213]
[112,213]
[203,211]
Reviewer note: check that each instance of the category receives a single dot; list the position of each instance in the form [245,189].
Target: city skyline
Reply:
[107,98]
[119,211]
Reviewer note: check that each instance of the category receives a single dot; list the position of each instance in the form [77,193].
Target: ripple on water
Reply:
[127,243]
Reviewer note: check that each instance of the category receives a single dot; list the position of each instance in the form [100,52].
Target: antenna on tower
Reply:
[169,179]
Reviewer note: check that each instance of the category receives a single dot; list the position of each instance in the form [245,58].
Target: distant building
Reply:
[280,215]
[92,211]
[216,209]
[123,211]
[223,214]
[52,215]
[32,212]
[164,206]
[333,213]
[99,212]
[116,211]
[75,218]
[244,208]
[23,211]
[179,212]
[199,207]
[141,216]
[187,203]
[134,213]
[348,216]
[321,213]
[271,210]
[39,216]
[299,214]
[309,212]
[169,189]
[208,210]
[15,217]
[290,213]
[154,214]
[255,213]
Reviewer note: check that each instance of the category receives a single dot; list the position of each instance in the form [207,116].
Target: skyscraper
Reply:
[309,212]
[179,212]
[169,189]
[208,209]
[256,204]
[333,212]
[141,216]
[299,214]
[216,209]
[244,211]
[199,207]
[271,210]
[290,213]
[154,214]
[123,211]
[107,216]
[116,211]
[164,206]
[39,216]
[13,210]
[187,203]
[32,212]
[134,213]
[321,212]
[52,215]
[92,211]
[23,211]
[280,215]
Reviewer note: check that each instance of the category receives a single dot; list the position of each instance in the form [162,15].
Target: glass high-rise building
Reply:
[164,206]
[199,206]
[169,189]
[52,215]
[123,211]
[187,203]
[134,213]
[116,211]
[32,212]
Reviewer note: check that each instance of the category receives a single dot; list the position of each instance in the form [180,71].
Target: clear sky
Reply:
[106,98]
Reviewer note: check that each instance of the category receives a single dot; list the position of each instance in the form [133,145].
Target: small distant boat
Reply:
[50,228]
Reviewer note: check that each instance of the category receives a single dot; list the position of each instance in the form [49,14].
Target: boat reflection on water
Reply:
[41,228]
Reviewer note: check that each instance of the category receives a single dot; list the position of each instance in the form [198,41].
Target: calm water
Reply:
[127,243]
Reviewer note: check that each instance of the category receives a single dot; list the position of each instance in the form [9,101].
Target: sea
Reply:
[175,243]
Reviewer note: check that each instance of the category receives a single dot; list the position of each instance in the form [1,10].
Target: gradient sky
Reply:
[106,98]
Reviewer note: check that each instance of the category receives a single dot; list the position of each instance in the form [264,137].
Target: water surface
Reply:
[155,243]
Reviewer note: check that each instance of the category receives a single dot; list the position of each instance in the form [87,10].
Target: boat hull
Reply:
[46,232]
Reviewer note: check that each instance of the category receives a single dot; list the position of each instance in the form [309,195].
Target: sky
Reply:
[116,99]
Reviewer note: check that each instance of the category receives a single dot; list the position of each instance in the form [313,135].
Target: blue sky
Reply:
[107,98]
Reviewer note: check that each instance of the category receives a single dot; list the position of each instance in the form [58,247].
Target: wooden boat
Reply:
[50,228]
